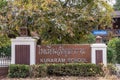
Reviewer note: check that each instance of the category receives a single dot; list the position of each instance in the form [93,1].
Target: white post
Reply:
[99,46]
[24,41]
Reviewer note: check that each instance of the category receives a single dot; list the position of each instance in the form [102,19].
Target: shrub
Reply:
[20,71]
[112,50]
[117,49]
[74,69]
[112,69]
[112,42]
[111,56]
[5,51]
[38,70]
[68,69]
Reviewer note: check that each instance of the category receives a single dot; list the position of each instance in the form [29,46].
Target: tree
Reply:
[112,50]
[5,49]
[117,5]
[55,21]
[3,3]
[4,40]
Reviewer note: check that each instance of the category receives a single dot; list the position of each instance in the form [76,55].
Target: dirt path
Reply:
[65,78]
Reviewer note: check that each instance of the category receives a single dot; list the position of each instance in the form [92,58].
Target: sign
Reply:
[64,53]
[99,32]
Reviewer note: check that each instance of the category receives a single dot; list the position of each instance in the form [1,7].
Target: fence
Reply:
[4,63]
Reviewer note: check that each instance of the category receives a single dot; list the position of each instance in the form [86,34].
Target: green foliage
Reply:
[111,56]
[5,51]
[68,69]
[19,71]
[114,49]
[112,43]
[4,41]
[117,49]
[111,53]
[73,69]
[3,3]
[90,38]
[5,48]
[117,5]
[38,70]
[55,21]
[112,69]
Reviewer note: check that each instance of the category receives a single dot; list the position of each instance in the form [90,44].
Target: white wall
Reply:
[24,41]
[99,46]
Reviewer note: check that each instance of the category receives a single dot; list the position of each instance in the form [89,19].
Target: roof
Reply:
[116,14]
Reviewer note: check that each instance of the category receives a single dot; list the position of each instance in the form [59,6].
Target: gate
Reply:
[4,63]
[22,55]
[99,57]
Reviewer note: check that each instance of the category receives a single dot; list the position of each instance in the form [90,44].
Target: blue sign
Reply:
[99,32]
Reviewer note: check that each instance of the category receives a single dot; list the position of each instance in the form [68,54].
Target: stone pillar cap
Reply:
[98,39]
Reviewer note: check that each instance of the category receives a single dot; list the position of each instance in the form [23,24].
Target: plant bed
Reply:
[43,70]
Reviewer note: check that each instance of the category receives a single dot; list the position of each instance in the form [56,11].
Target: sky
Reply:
[112,2]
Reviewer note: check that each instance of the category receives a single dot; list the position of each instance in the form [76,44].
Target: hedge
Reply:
[20,71]
[42,70]
[73,69]
[38,70]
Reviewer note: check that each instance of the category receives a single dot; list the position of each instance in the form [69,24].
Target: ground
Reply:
[65,78]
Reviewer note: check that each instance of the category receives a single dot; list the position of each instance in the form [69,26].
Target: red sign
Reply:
[65,53]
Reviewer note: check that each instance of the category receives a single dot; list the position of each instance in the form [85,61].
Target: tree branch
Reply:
[63,4]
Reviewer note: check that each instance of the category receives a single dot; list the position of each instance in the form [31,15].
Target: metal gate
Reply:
[4,63]
[99,56]
[22,54]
